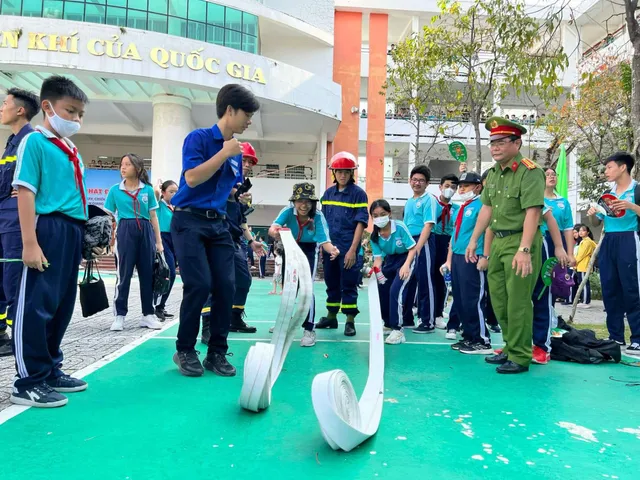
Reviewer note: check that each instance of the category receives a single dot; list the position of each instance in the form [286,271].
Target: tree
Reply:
[633,29]
[494,48]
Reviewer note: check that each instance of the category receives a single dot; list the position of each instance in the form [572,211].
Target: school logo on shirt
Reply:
[398,242]
[561,206]
[144,198]
[468,212]
[418,204]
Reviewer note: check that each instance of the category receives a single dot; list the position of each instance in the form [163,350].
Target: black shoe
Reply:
[424,328]
[621,343]
[5,345]
[476,349]
[217,363]
[238,325]
[188,363]
[167,314]
[511,367]
[160,314]
[460,344]
[66,383]
[328,323]
[205,335]
[39,396]
[349,329]
[498,359]
[633,349]
[495,328]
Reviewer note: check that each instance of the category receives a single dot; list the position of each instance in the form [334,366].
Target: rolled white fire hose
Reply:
[265,360]
[345,422]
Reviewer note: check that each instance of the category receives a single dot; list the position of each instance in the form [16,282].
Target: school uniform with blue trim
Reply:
[442,231]
[619,263]
[135,243]
[203,244]
[46,299]
[393,293]
[418,212]
[344,210]
[10,238]
[309,237]
[165,214]
[469,285]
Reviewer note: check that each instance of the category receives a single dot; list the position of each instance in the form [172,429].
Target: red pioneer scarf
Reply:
[73,158]
[445,216]
[460,215]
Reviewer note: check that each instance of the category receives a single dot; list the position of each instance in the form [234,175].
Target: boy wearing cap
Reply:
[512,205]
[469,279]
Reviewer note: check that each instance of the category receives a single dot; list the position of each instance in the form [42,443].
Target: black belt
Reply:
[210,214]
[505,233]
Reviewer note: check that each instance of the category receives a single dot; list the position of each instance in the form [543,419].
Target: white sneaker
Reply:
[308,339]
[441,323]
[272,329]
[150,321]
[584,305]
[451,335]
[386,330]
[395,338]
[118,324]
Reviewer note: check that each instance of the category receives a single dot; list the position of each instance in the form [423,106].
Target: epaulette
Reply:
[528,163]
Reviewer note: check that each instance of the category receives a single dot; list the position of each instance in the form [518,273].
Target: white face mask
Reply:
[64,128]
[465,197]
[381,222]
[448,193]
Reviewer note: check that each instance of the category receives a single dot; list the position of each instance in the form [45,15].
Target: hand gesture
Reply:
[232,147]
[561,255]
[522,264]
[258,249]
[591,212]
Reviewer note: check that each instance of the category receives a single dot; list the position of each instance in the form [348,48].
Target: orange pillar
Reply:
[376,104]
[347,49]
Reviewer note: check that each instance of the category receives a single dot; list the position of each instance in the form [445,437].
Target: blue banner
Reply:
[98,184]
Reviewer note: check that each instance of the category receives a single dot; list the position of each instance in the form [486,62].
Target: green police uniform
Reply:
[509,192]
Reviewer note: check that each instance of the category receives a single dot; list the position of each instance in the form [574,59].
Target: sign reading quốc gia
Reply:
[119,50]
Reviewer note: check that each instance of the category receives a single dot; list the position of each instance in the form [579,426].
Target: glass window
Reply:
[97,2]
[117,3]
[94,13]
[215,14]
[197,31]
[198,10]
[177,26]
[232,39]
[249,44]
[74,11]
[116,16]
[158,6]
[137,19]
[178,8]
[233,19]
[10,7]
[138,4]
[250,24]
[52,9]
[157,23]
[30,8]
[215,35]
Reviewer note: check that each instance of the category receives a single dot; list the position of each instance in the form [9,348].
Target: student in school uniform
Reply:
[585,252]
[420,219]
[164,193]
[392,239]
[133,203]
[52,207]
[17,110]
[309,227]
[619,258]
[263,259]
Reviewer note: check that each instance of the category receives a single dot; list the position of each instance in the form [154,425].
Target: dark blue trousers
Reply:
[170,257]
[262,264]
[205,253]
[619,265]
[135,248]
[454,318]
[10,247]
[420,289]
[585,296]
[440,289]
[342,284]
[243,281]
[45,301]
[469,286]
[542,305]
[394,293]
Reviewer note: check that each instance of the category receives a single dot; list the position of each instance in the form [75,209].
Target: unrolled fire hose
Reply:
[265,360]
[345,422]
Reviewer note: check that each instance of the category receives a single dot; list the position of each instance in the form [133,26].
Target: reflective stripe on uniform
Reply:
[333,304]
[344,204]
[6,160]
[206,310]
[349,306]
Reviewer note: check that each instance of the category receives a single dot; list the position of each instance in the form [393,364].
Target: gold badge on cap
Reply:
[494,124]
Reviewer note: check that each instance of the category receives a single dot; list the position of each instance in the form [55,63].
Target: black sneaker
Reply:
[499,359]
[424,328]
[476,349]
[5,345]
[349,329]
[326,322]
[167,314]
[495,328]
[205,336]
[160,314]
[633,349]
[39,396]
[621,343]
[217,363]
[238,324]
[460,344]
[188,363]
[67,384]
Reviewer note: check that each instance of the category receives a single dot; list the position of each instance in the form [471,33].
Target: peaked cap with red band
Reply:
[501,127]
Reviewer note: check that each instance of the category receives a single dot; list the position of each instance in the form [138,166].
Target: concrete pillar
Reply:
[171,124]
[321,162]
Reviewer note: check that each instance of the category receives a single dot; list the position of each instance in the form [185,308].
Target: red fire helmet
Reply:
[249,152]
[343,161]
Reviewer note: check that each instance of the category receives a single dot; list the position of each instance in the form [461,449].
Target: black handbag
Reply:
[93,294]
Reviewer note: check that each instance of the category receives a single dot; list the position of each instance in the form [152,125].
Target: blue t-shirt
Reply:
[165,214]
[418,212]
[199,146]
[443,224]
[399,241]
[9,222]
[344,210]
[629,221]
[121,203]
[561,211]
[46,170]
[468,221]
[316,231]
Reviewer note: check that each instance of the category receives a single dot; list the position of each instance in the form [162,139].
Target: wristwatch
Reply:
[250,242]
[524,250]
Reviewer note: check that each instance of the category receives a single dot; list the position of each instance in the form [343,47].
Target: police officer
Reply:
[345,208]
[512,204]
[17,110]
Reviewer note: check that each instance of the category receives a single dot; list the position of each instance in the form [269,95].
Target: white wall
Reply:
[303,53]
[318,13]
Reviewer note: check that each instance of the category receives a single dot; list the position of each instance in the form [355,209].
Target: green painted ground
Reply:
[446,416]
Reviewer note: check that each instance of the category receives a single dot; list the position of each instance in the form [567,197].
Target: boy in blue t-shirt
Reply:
[52,207]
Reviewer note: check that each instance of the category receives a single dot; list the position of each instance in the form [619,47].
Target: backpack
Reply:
[97,231]
[561,282]
[582,346]
[161,275]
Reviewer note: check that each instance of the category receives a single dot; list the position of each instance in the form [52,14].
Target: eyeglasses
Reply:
[418,180]
[499,143]
[551,175]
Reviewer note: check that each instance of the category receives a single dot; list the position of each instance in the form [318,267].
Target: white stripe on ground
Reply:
[253,339]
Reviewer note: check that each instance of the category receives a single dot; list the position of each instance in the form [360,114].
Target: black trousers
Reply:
[205,253]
